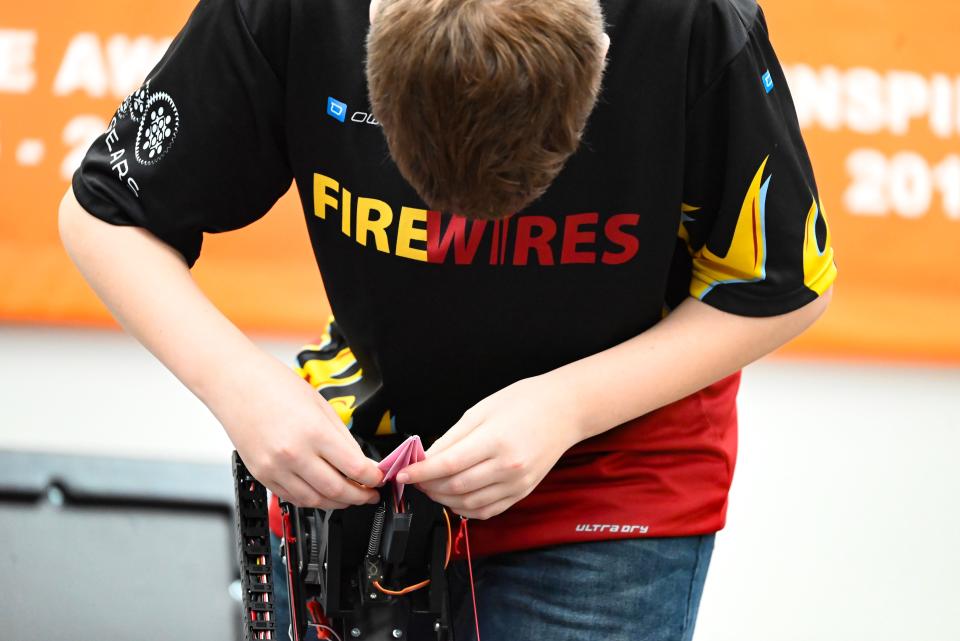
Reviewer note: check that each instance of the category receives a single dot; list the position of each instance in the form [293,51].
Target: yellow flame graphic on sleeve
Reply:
[819,270]
[386,425]
[326,376]
[323,373]
[746,259]
[344,406]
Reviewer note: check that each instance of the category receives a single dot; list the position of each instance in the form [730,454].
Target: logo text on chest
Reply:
[429,236]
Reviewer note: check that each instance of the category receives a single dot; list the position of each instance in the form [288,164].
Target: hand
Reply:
[499,450]
[293,441]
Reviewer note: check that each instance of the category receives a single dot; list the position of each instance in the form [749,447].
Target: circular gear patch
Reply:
[135,102]
[159,123]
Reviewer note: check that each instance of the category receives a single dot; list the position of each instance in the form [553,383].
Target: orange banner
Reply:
[877,89]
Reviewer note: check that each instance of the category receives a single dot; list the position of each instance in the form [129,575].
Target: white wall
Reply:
[844,521]
[844,518]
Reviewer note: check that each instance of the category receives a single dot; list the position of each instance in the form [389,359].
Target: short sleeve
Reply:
[200,146]
[751,219]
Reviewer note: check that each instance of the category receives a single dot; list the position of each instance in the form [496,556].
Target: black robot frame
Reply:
[349,572]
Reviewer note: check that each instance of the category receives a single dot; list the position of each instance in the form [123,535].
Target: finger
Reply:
[346,456]
[329,483]
[457,431]
[281,492]
[490,511]
[458,457]
[287,497]
[301,494]
[324,502]
[474,500]
[469,480]
[343,447]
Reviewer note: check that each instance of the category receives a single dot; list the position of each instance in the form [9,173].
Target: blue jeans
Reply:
[644,589]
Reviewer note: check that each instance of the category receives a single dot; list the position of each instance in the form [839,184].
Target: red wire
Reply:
[473,593]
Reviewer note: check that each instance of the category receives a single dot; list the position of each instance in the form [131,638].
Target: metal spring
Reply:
[373,549]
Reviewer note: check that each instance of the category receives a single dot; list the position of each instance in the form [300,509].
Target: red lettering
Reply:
[525,240]
[573,236]
[465,245]
[498,246]
[495,243]
[506,235]
[629,242]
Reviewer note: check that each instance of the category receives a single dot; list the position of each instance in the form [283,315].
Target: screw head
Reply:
[397,633]
[355,632]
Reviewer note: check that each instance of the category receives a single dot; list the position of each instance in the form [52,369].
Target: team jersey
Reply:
[692,180]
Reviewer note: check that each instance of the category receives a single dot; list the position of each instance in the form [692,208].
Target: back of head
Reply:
[483,101]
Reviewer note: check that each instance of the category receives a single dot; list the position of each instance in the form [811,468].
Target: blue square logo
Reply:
[336,109]
[767,81]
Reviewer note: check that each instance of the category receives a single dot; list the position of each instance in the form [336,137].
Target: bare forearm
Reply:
[288,435]
[694,346]
[149,290]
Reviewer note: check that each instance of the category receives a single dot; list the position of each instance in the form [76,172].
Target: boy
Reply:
[551,261]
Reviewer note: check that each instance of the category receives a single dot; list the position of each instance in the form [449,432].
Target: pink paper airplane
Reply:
[407,453]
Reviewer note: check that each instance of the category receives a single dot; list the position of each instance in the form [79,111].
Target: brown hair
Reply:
[483,101]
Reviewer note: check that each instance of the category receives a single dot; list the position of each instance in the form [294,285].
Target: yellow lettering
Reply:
[321,199]
[407,232]
[345,215]
[378,226]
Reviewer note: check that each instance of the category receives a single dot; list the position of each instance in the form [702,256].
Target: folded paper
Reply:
[407,453]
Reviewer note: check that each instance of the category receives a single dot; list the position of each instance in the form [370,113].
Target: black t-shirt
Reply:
[692,179]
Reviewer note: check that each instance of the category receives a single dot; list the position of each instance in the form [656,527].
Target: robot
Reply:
[365,573]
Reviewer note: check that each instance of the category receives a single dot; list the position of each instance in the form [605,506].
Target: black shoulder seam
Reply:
[747,11]
[245,22]
[750,15]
